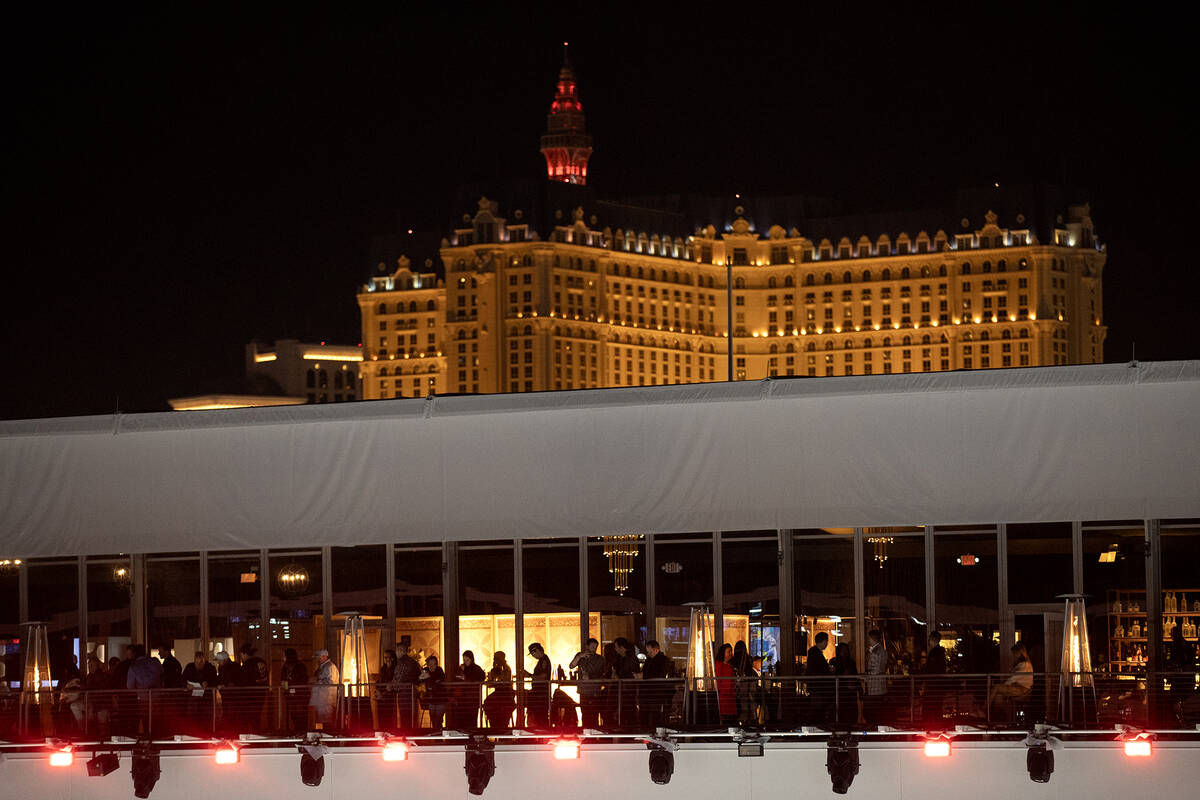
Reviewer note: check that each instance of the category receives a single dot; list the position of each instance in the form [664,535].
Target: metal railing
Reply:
[841,702]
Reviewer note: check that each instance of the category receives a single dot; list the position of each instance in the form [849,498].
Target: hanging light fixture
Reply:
[9,566]
[292,579]
[621,552]
[880,543]
[122,575]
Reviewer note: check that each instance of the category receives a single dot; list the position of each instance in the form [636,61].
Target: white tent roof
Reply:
[1087,442]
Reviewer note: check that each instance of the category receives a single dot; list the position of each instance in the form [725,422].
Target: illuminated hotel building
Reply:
[553,288]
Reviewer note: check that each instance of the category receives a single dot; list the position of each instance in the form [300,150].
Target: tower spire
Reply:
[566,144]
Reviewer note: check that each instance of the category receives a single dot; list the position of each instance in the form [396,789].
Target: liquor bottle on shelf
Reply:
[1117,606]
[1168,602]
[1135,630]
[1196,606]
[1119,633]
[1183,606]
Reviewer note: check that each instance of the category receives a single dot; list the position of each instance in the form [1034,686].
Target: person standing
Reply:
[253,679]
[124,703]
[145,675]
[469,678]
[726,693]
[625,670]
[500,704]
[385,698]
[405,678]
[324,696]
[820,690]
[537,704]
[200,678]
[875,704]
[98,684]
[433,678]
[849,688]
[293,677]
[935,686]
[590,666]
[655,689]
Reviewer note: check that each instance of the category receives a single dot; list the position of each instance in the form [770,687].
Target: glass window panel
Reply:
[750,581]
[419,599]
[1039,562]
[551,599]
[616,612]
[967,600]
[894,591]
[486,622]
[824,587]
[108,619]
[1181,592]
[683,575]
[173,605]
[1114,578]
[10,630]
[234,601]
[360,580]
[54,600]
[296,607]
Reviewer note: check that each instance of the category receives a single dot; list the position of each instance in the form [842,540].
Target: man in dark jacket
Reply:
[656,691]
[404,684]
[590,665]
[537,702]
[935,688]
[625,669]
[820,691]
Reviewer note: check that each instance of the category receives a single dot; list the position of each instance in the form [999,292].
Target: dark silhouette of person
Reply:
[935,683]
[656,691]
[404,684]
[820,691]
[848,685]
[590,666]
[253,679]
[726,692]
[293,677]
[200,678]
[433,678]
[625,668]
[500,704]
[385,699]
[468,678]
[537,704]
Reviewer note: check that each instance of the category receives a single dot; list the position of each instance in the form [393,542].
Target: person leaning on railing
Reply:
[501,703]
[591,669]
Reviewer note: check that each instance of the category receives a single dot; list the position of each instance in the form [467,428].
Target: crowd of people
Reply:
[613,688]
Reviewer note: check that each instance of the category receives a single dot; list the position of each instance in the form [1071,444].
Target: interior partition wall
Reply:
[982,587]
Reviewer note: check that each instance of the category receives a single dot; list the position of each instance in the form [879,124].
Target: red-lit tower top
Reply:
[566,144]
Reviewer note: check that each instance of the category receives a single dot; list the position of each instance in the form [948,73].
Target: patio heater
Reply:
[356,671]
[1075,669]
[37,688]
[699,660]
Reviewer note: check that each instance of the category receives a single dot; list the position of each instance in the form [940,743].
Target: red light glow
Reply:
[1139,746]
[62,758]
[937,748]
[565,749]
[228,754]
[395,751]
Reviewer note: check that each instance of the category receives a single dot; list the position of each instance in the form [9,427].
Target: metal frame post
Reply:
[1154,624]
[787,608]
[1007,625]
[1077,557]
[860,602]
[651,588]
[388,634]
[584,592]
[931,623]
[450,601]
[205,633]
[718,583]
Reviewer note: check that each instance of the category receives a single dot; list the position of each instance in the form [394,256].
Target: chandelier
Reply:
[122,576]
[880,544]
[292,579]
[10,566]
[620,552]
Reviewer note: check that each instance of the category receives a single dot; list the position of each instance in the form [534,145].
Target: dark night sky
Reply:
[184,180]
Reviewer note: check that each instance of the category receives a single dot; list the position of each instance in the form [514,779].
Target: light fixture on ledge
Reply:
[621,552]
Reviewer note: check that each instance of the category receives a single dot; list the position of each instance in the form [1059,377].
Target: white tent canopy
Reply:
[1064,443]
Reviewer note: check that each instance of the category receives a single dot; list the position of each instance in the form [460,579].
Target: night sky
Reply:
[183,180]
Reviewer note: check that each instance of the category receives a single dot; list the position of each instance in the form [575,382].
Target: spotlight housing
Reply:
[662,764]
[145,769]
[312,761]
[103,764]
[841,759]
[480,764]
[1039,760]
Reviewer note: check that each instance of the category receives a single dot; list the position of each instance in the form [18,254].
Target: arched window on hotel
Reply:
[108,619]
[894,591]
[419,606]
[967,597]
[173,604]
[683,566]
[234,602]
[750,583]
[54,600]
[824,590]
[1114,578]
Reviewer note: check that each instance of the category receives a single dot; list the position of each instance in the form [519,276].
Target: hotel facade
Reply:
[560,289]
